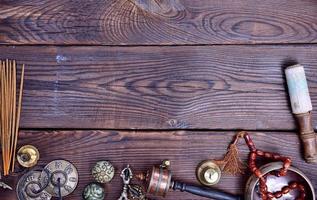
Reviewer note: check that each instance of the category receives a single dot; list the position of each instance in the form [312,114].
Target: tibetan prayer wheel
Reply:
[159,182]
[302,108]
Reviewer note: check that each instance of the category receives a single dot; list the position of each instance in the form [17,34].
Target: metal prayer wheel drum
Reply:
[275,184]
[159,181]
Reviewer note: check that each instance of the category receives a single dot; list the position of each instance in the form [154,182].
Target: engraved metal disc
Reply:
[63,170]
[28,185]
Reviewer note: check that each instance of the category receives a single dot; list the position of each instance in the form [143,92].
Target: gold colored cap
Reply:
[28,156]
[208,173]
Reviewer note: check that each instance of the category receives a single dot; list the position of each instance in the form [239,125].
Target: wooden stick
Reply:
[2,105]
[18,116]
[5,109]
[10,113]
[13,110]
[6,115]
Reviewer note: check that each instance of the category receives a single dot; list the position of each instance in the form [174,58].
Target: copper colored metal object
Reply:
[28,156]
[159,181]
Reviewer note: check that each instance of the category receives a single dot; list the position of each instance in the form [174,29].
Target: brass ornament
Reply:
[30,187]
[60,173]
[136,192]
[94,191]
[208,173]
[103,172]
[28,156]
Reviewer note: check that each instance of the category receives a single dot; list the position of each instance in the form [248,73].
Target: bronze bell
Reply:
[208,173]
[28,156]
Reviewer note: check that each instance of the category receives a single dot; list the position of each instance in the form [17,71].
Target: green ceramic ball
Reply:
[103,172]
[94,191]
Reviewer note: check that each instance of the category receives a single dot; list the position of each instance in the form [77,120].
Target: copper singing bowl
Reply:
[277,183]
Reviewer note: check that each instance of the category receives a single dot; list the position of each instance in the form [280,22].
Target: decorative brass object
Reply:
[94,191]
[28,156]
[136,192]
[103,172]
[208,173]
[30,187]
[62,178]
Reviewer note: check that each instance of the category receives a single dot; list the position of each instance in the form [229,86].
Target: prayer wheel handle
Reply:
[204,191]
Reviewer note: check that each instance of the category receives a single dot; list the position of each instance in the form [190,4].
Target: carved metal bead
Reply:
[94,191]
[103,172]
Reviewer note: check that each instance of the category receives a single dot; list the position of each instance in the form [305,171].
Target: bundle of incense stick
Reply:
[10,112]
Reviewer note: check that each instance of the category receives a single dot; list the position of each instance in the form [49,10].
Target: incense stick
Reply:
[18,116]
[10,112]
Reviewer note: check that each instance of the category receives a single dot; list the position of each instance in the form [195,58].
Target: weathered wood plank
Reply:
[216,87]
[143,149]
[139,22]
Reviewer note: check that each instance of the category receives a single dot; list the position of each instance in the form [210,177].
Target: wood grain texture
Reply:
[218,87]
[143,149]
[146,22]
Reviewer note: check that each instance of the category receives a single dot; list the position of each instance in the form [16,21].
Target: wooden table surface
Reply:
[138,81]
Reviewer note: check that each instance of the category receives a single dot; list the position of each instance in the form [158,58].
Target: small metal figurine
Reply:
[126,175]
[94,191]
[103,172]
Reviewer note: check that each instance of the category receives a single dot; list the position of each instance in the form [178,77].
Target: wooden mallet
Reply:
[301,108]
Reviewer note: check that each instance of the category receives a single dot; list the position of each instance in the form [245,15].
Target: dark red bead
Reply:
[293,185]
[285,190]
[278,194]
[259,152]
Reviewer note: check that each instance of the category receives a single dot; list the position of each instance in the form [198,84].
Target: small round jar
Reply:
[94,191]
[103,172]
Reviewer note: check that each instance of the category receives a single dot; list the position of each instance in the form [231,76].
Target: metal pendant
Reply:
[62,178]
[30,187]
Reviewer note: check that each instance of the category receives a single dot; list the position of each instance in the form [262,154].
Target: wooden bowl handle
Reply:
[308,136]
